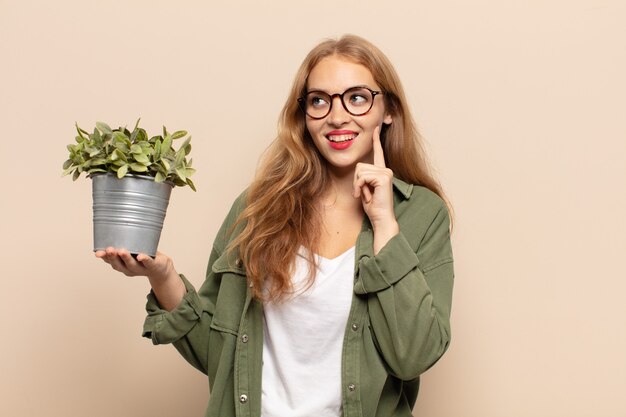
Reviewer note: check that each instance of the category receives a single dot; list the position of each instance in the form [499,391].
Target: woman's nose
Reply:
[338,115]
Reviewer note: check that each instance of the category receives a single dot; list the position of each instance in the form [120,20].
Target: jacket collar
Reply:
[402,187]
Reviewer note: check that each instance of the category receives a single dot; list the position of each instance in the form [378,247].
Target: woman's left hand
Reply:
[373,183]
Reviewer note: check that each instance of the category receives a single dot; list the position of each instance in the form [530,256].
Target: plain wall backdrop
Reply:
[522,107]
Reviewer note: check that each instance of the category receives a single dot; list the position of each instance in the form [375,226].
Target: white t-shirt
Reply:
[303,339]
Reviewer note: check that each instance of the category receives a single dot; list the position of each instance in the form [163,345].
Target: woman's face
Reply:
[342,138]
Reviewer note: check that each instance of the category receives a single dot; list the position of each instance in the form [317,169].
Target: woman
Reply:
[329,285]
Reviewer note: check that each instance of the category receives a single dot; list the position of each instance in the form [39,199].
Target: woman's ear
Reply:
[387,119]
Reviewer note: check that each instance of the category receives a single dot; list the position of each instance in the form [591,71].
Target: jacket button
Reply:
[243,398]
[244,338]
[238,263]
[355,327]
[351,387]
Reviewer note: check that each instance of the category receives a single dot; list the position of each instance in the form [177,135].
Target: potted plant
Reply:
[132,178]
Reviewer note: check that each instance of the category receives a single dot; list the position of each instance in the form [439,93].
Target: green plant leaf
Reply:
[181,173]
[185,145]
[96,136]
[146,147]
[138,167]
[180,157]
[136,149]
[76,175]
[179,134]
[167,144]
[94,162]
[98,161]
[94,170]
[142,136]
[142,158]
[122,147]
[157,150]
[159,177]
[137,124]
[104,128]
[67,164]
[117,154]
[118,136]
[191,184]
[123,170]
[166,164]
[159,168]
[80,131]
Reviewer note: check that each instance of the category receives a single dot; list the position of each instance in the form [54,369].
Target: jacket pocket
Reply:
[231,294]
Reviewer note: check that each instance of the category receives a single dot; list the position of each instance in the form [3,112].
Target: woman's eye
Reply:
[358,99]
[318,101]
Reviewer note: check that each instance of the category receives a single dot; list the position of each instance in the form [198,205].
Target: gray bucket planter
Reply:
[129,212]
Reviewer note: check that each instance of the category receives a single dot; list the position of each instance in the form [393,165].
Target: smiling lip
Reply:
[341,139]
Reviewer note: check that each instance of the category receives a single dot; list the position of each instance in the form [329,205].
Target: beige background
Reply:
[521,104]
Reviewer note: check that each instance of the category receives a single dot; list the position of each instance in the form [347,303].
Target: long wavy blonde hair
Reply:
[281,213]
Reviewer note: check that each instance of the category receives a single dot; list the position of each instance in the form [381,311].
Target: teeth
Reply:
[341,138]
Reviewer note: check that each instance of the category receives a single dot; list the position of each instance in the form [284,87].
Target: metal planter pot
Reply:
[128,212]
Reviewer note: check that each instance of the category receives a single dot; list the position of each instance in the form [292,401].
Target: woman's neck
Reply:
[340,192]
[341,217]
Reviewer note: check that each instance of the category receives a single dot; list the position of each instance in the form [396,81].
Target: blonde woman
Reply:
[329,285]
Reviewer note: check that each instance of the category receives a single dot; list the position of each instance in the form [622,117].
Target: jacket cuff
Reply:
[164,326]
[394,261]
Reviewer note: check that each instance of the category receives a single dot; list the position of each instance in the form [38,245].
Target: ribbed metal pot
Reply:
[128,212]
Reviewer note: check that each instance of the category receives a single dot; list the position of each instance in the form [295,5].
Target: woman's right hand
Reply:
[166,284]
[157,269]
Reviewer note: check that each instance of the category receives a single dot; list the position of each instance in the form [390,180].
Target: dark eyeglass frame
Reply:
[302,101]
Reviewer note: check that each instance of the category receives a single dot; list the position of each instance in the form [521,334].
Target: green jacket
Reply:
[398,326]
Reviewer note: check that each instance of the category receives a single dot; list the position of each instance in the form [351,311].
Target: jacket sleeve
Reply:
[187,326]
[409,289]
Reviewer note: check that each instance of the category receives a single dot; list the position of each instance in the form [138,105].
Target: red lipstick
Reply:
[341,139]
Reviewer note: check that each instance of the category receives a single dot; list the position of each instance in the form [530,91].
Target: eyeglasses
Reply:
[356,100]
